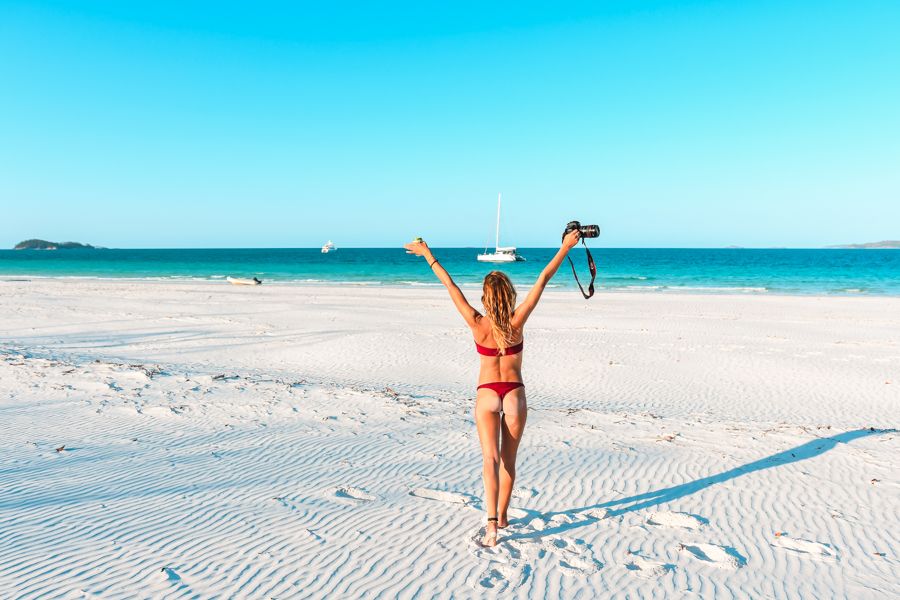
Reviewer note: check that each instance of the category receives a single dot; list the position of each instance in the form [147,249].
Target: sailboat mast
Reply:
[497,242]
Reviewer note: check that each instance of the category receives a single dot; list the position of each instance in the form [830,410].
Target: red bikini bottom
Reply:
[502,387]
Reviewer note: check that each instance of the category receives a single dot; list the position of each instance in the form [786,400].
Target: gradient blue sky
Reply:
[698,123]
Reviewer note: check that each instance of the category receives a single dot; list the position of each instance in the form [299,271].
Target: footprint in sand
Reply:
[805,547]
[576,558]
[524,494]
[443,496]
[646,568]
[722,557]
[676,519]
[543,522]
[496,578]
[561,519]
[352,493]
[505,564]
[596,513]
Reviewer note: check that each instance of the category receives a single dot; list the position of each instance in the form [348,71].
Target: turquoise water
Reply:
[854,272]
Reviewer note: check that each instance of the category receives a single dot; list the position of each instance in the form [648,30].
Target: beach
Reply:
[195,439]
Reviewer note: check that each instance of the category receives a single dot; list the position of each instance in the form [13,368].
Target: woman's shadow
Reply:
[614,508]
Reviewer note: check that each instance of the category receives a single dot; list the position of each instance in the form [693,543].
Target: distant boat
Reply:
[242,281]
[501,254]
[328,247]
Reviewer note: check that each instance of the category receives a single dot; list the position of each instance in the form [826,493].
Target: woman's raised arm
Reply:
[523,311]
[468,313]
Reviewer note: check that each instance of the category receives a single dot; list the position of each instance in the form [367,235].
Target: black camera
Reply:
[587,231]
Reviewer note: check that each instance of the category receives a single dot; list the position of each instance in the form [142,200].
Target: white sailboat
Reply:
[328,247]
[501,254]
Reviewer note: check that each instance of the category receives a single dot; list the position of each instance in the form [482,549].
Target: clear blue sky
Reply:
[695,123]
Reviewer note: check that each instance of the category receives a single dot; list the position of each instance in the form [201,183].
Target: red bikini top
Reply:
[485,351]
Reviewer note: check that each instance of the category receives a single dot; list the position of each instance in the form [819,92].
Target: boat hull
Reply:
[499,258]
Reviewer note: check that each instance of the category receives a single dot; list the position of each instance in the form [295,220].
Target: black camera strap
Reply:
[591,266]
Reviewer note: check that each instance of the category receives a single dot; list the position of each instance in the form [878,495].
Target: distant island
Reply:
[45,245]
[891,244]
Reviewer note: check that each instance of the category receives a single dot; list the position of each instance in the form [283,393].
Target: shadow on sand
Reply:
[621,506]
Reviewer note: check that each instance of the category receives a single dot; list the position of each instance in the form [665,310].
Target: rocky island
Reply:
[45,245]
[886,244]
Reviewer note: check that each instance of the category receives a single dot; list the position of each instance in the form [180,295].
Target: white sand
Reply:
[318,442]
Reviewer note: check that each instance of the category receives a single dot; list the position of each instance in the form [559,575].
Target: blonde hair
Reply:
[499,301]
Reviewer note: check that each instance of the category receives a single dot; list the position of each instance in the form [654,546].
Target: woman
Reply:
[500,408]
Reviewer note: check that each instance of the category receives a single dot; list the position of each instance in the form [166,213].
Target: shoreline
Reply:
[741,291]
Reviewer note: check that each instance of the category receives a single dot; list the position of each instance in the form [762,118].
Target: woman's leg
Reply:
[515,411]
[487,420]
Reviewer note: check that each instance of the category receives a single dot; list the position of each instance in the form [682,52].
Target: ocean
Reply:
[745,271]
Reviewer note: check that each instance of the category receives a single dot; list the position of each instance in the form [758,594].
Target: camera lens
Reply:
[590,231]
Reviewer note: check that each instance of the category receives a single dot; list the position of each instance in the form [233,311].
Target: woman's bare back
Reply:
[496,368]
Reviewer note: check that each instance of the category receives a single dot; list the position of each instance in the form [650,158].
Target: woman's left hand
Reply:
[419,248]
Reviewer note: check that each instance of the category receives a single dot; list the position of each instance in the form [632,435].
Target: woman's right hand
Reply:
[419,248]
[571,239]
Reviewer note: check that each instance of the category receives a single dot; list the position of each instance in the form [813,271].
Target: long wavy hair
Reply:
[499,301]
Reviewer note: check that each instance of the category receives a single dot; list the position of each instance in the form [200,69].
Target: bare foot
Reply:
[490,533]
[503,522]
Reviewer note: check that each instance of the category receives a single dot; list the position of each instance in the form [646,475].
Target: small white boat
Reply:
[500,254]
[328,247]
[242,281]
